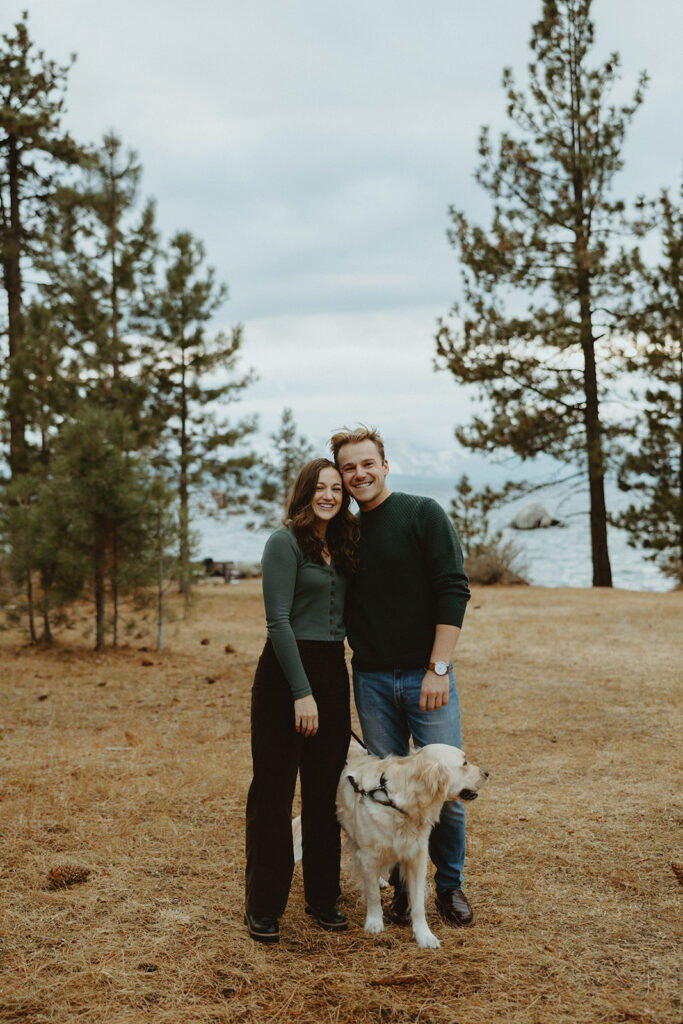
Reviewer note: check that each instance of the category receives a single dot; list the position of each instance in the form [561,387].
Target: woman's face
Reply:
[327,499]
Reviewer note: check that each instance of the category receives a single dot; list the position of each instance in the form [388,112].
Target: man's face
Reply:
[364,473]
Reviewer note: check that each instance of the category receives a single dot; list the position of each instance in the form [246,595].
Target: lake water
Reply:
[553,557]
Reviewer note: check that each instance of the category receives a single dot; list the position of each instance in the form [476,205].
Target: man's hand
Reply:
[434,692]
[306,715]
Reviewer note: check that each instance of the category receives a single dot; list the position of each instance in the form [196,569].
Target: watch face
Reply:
[441,668]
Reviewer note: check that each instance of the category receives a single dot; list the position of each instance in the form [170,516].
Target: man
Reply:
[409,598]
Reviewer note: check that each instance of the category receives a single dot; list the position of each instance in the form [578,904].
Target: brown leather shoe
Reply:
[399,911]
[453,907]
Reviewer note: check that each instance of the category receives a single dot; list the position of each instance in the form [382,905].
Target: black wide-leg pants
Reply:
[279,752]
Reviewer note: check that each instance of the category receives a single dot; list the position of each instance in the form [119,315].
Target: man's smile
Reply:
[364,473]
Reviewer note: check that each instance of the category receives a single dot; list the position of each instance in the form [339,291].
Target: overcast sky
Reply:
[315,148]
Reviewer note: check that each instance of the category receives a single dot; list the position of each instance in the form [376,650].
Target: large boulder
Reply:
[533,517]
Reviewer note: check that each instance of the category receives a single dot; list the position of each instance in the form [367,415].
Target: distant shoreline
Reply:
[554,557]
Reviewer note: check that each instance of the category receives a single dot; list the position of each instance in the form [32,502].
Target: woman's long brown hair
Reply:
[342,531]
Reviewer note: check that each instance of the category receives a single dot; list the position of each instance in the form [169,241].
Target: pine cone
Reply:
[677,867]
[66,874]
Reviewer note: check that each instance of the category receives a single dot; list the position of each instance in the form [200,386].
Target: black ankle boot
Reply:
[399,911]
[263,929]
[329,918]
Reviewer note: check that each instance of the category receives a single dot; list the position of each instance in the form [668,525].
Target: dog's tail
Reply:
[296,838]
[298,849]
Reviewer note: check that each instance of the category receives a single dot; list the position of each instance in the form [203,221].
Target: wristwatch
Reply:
[439,667]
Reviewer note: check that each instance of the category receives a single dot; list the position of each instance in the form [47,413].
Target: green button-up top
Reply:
[304,600]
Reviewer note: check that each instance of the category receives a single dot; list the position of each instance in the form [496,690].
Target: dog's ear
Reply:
[435,779]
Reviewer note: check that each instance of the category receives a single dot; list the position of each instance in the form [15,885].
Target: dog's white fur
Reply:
[379,835]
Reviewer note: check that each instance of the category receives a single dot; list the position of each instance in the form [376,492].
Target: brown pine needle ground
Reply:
[139,772]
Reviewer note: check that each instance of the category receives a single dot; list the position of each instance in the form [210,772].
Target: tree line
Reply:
[562,313]
[115,390]
[115,387]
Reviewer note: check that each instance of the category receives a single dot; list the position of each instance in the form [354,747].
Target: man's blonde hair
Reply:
[361,433]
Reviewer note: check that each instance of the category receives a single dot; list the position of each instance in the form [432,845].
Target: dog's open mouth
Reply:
[467,794]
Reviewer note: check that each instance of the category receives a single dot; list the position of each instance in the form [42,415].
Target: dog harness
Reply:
[384,797]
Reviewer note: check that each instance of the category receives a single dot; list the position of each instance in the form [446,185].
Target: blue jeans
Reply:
[388,705]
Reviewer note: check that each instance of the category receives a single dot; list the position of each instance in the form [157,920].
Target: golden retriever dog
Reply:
[387,807]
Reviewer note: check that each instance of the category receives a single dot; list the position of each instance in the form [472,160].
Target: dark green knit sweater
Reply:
[410,577]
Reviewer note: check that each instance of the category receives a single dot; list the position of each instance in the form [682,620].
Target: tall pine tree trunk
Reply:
[602,576]
[116,362]
[114,297]
[99,560]
[47,632]
[184,523]
[602,572]
[160,585]
[18,457]
[185,581]
[680,457]
[115,588]
[29,603]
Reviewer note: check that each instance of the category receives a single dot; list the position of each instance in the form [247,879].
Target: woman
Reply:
[300,719]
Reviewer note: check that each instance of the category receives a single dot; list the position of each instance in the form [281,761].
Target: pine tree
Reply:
[33,533]
[166,537]
[102,248]
[34,149]
[198,448]
[18,532]
[488,558]
[102,254]
[290,452]
[50,389]
[103,497]
[544,369]
[652,471]
[470,514]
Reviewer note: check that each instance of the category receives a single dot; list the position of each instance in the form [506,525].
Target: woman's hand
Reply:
[306,715]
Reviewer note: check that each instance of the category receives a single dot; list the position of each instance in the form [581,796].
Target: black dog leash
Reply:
[358,740]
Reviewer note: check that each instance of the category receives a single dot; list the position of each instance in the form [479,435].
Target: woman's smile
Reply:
[327,499]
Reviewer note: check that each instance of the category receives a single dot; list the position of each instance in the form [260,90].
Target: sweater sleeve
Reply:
[279,567]
[444,562]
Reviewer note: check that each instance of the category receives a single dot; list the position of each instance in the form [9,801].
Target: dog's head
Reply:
[446,773]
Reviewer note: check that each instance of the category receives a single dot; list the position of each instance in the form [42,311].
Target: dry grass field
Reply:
[136,764]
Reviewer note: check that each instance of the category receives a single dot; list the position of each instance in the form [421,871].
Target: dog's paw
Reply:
[427,940]
[383,884]
[373,925]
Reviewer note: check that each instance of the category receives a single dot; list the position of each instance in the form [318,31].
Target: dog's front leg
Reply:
[369,874]
[415,874]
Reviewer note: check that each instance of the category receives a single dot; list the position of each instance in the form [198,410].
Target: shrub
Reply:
[495,562]
[490,559]
[673,569]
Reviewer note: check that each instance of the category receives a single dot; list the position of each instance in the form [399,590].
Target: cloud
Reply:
[316,147]
[374,367]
